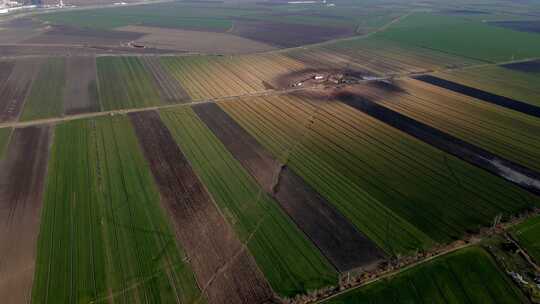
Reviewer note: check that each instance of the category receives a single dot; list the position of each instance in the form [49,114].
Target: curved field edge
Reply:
[290,262]
[103,234]
[458,277]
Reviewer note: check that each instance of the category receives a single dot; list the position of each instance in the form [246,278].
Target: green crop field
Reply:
[400,192]
[290,262]
[46,98]
[447,34]
[124,82]
[465,276]
[528,235]
[104,236]
[4,140]
[499,80]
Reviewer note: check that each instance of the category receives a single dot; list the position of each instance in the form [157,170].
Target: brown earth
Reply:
[5,70]
[22,175]
[62,34]
[80,94]
[287,35]
[195,41]
[223,268]
[170,89]
[338,240]
[16,87]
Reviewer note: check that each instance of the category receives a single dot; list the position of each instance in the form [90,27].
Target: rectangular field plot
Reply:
[46,97]
[466,276]
[499,80]
[15,87]
[504,132]
[528,236]
[447,34]
[400,192]
[290,262]
[124,83]
[206,77]
[80,95]
[223,267]
[379,56]
[104,236]
[22,178]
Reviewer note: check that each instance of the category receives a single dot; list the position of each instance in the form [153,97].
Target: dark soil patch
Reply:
[482,95]
[80,94]
[16,87]
[532,66]
[223,268]
[288,35]
[330,231]
[61,34]
[528,179]
[387,86]
[532,26]
[22,178]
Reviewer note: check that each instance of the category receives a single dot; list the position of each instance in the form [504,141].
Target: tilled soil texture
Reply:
[515,173]
[482,95]
[170,89]
[66,35]
[532,66]
[14,90]
[6,67]
[224,270]
[80,94]
[288,35]
[22,174]
[332,233]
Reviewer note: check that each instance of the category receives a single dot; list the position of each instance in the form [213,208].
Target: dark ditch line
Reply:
[502,101]
[344,246]
[532,66]
[513,172]
[224,269]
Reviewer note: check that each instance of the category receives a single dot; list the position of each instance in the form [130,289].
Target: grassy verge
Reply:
[5,133]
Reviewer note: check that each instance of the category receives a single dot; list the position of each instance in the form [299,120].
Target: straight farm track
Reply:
[22,177]
[104,237]
[289,260]
[338,239]
[223,267]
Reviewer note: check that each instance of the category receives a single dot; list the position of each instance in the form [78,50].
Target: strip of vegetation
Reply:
[124,83]
[465,276]
[289,261]
[5,133]
[47,93]
[104,236]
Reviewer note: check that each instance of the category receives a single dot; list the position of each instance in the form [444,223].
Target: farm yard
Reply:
[284,152]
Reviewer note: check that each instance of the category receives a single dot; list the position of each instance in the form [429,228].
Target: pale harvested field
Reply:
[195,41]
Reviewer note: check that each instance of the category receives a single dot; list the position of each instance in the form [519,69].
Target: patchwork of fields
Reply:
[283,176]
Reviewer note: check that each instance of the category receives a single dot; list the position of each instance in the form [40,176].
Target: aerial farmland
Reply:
[269,151]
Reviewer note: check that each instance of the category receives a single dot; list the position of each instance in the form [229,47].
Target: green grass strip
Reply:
[5,134]
[46,98]
[290,262]
[465,276]
[528,235]
[104,236]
